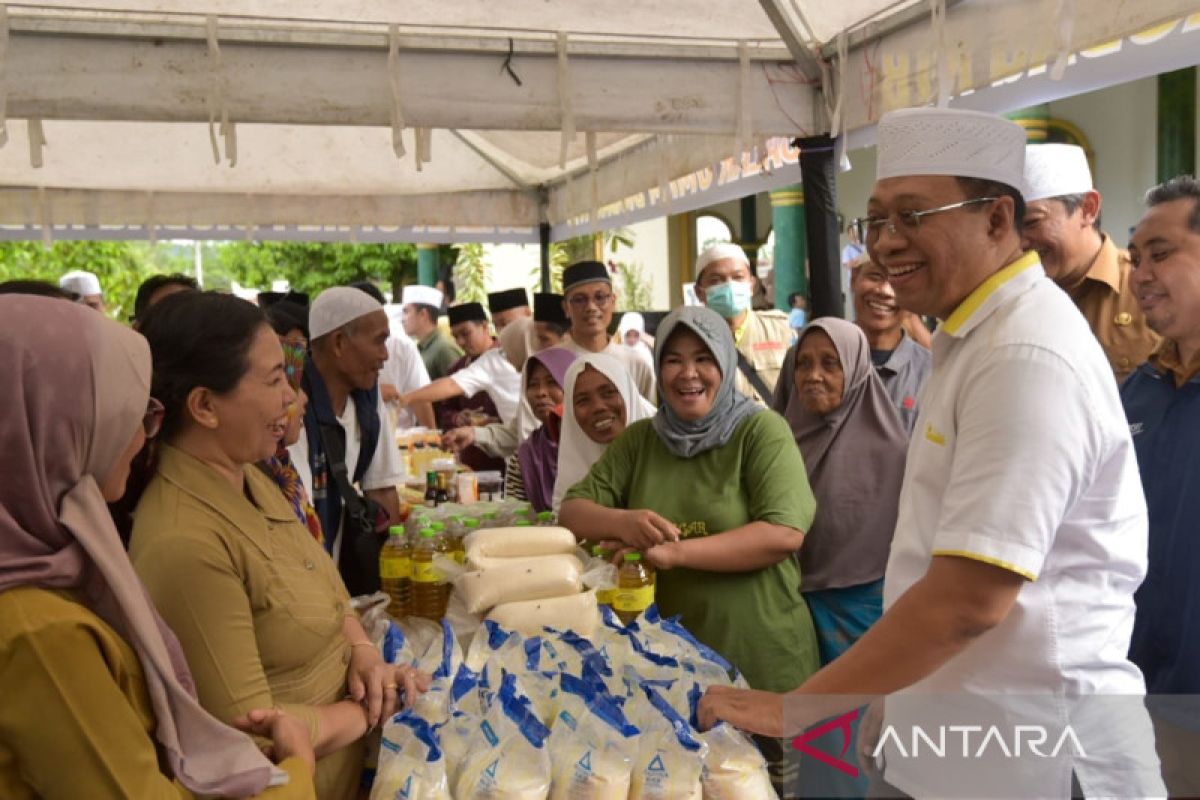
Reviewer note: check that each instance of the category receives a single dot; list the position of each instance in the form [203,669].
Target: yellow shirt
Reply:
[763,338]
[76,720]
[256,603]
[1107,303]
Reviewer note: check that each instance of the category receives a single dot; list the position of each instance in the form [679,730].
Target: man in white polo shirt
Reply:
[1021,535]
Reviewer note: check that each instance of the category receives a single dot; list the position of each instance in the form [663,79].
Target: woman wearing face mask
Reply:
[531,472]
[725,284]
[713,492]
[599,401]
[99,699]
[258,605]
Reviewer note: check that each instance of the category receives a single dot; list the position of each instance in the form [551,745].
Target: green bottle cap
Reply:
[522,523]
[471,522]
[489,515]
[396,530]
[545,516]
[428,533]
[438,526]
[633,556]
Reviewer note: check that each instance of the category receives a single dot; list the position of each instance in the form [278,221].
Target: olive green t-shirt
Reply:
[757,620]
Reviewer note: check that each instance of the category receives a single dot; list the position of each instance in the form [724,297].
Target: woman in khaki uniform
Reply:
[258,605]
[98,700]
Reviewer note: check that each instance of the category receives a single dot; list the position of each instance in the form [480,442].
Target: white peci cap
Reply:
[1054,170]
[80,282]
[953,142]
[720,252]
[420,295]
[339,306]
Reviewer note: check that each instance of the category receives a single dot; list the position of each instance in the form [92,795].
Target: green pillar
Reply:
[748,237]
[1176,123]
[1035,120]
[787,220]
[427,264]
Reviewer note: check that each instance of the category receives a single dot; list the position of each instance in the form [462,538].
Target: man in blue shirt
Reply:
[1162,403]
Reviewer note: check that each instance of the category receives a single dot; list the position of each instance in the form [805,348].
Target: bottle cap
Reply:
[438,527]
[545,516]
[471,522]
[522,523]
[633,556]
[428,533]
[396,530]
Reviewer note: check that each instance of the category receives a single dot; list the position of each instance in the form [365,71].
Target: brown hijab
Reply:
[855,461]
[75,391]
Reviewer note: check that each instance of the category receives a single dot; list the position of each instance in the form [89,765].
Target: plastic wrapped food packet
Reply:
[576,612]
[516,579]
[443,656]
[670,758]
[592,744]
[517,542]
[491,641]
[506,756]
[411,763]
[733,766]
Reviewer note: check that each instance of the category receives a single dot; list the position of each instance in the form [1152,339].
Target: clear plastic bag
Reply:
[411,763]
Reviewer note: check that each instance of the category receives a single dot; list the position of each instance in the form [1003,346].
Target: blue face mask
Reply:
[729,299]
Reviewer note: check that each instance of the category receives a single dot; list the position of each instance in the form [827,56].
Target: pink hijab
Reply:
[75,390]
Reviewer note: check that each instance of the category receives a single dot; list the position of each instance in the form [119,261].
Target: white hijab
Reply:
[576,451]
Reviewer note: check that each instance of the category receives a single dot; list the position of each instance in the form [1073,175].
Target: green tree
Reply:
[314,266]
[470,275]
[120,266]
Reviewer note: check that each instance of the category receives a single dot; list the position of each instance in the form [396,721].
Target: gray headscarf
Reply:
[686,439]
[855,461]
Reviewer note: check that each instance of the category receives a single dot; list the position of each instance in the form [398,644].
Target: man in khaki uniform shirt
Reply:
[1062,222]
[725,284]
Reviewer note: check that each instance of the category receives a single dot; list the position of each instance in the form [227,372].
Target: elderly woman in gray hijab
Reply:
[854,444]
[713,491]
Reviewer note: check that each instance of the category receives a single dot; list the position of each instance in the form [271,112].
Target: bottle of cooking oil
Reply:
[395,572]
[427,581]
[635,589]
[456,529]
[604,597]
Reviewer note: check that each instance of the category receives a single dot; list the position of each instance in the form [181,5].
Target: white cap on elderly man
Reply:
[421,295]
[720,252]
[953,142]
[1055,170]
[339,306]
[80,282]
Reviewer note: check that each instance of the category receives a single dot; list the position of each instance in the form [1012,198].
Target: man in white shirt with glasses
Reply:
[1022,531]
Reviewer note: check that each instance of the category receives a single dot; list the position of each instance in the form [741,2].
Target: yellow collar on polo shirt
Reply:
[967,308]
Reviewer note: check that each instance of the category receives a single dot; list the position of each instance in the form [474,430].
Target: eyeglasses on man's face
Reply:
[583,300]
[904,223]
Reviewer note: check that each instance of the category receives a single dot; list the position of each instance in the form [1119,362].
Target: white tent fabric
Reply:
[457,121]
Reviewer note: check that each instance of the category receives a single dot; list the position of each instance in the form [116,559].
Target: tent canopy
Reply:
[455,121]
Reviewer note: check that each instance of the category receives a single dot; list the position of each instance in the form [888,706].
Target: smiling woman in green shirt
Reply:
[713,490]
